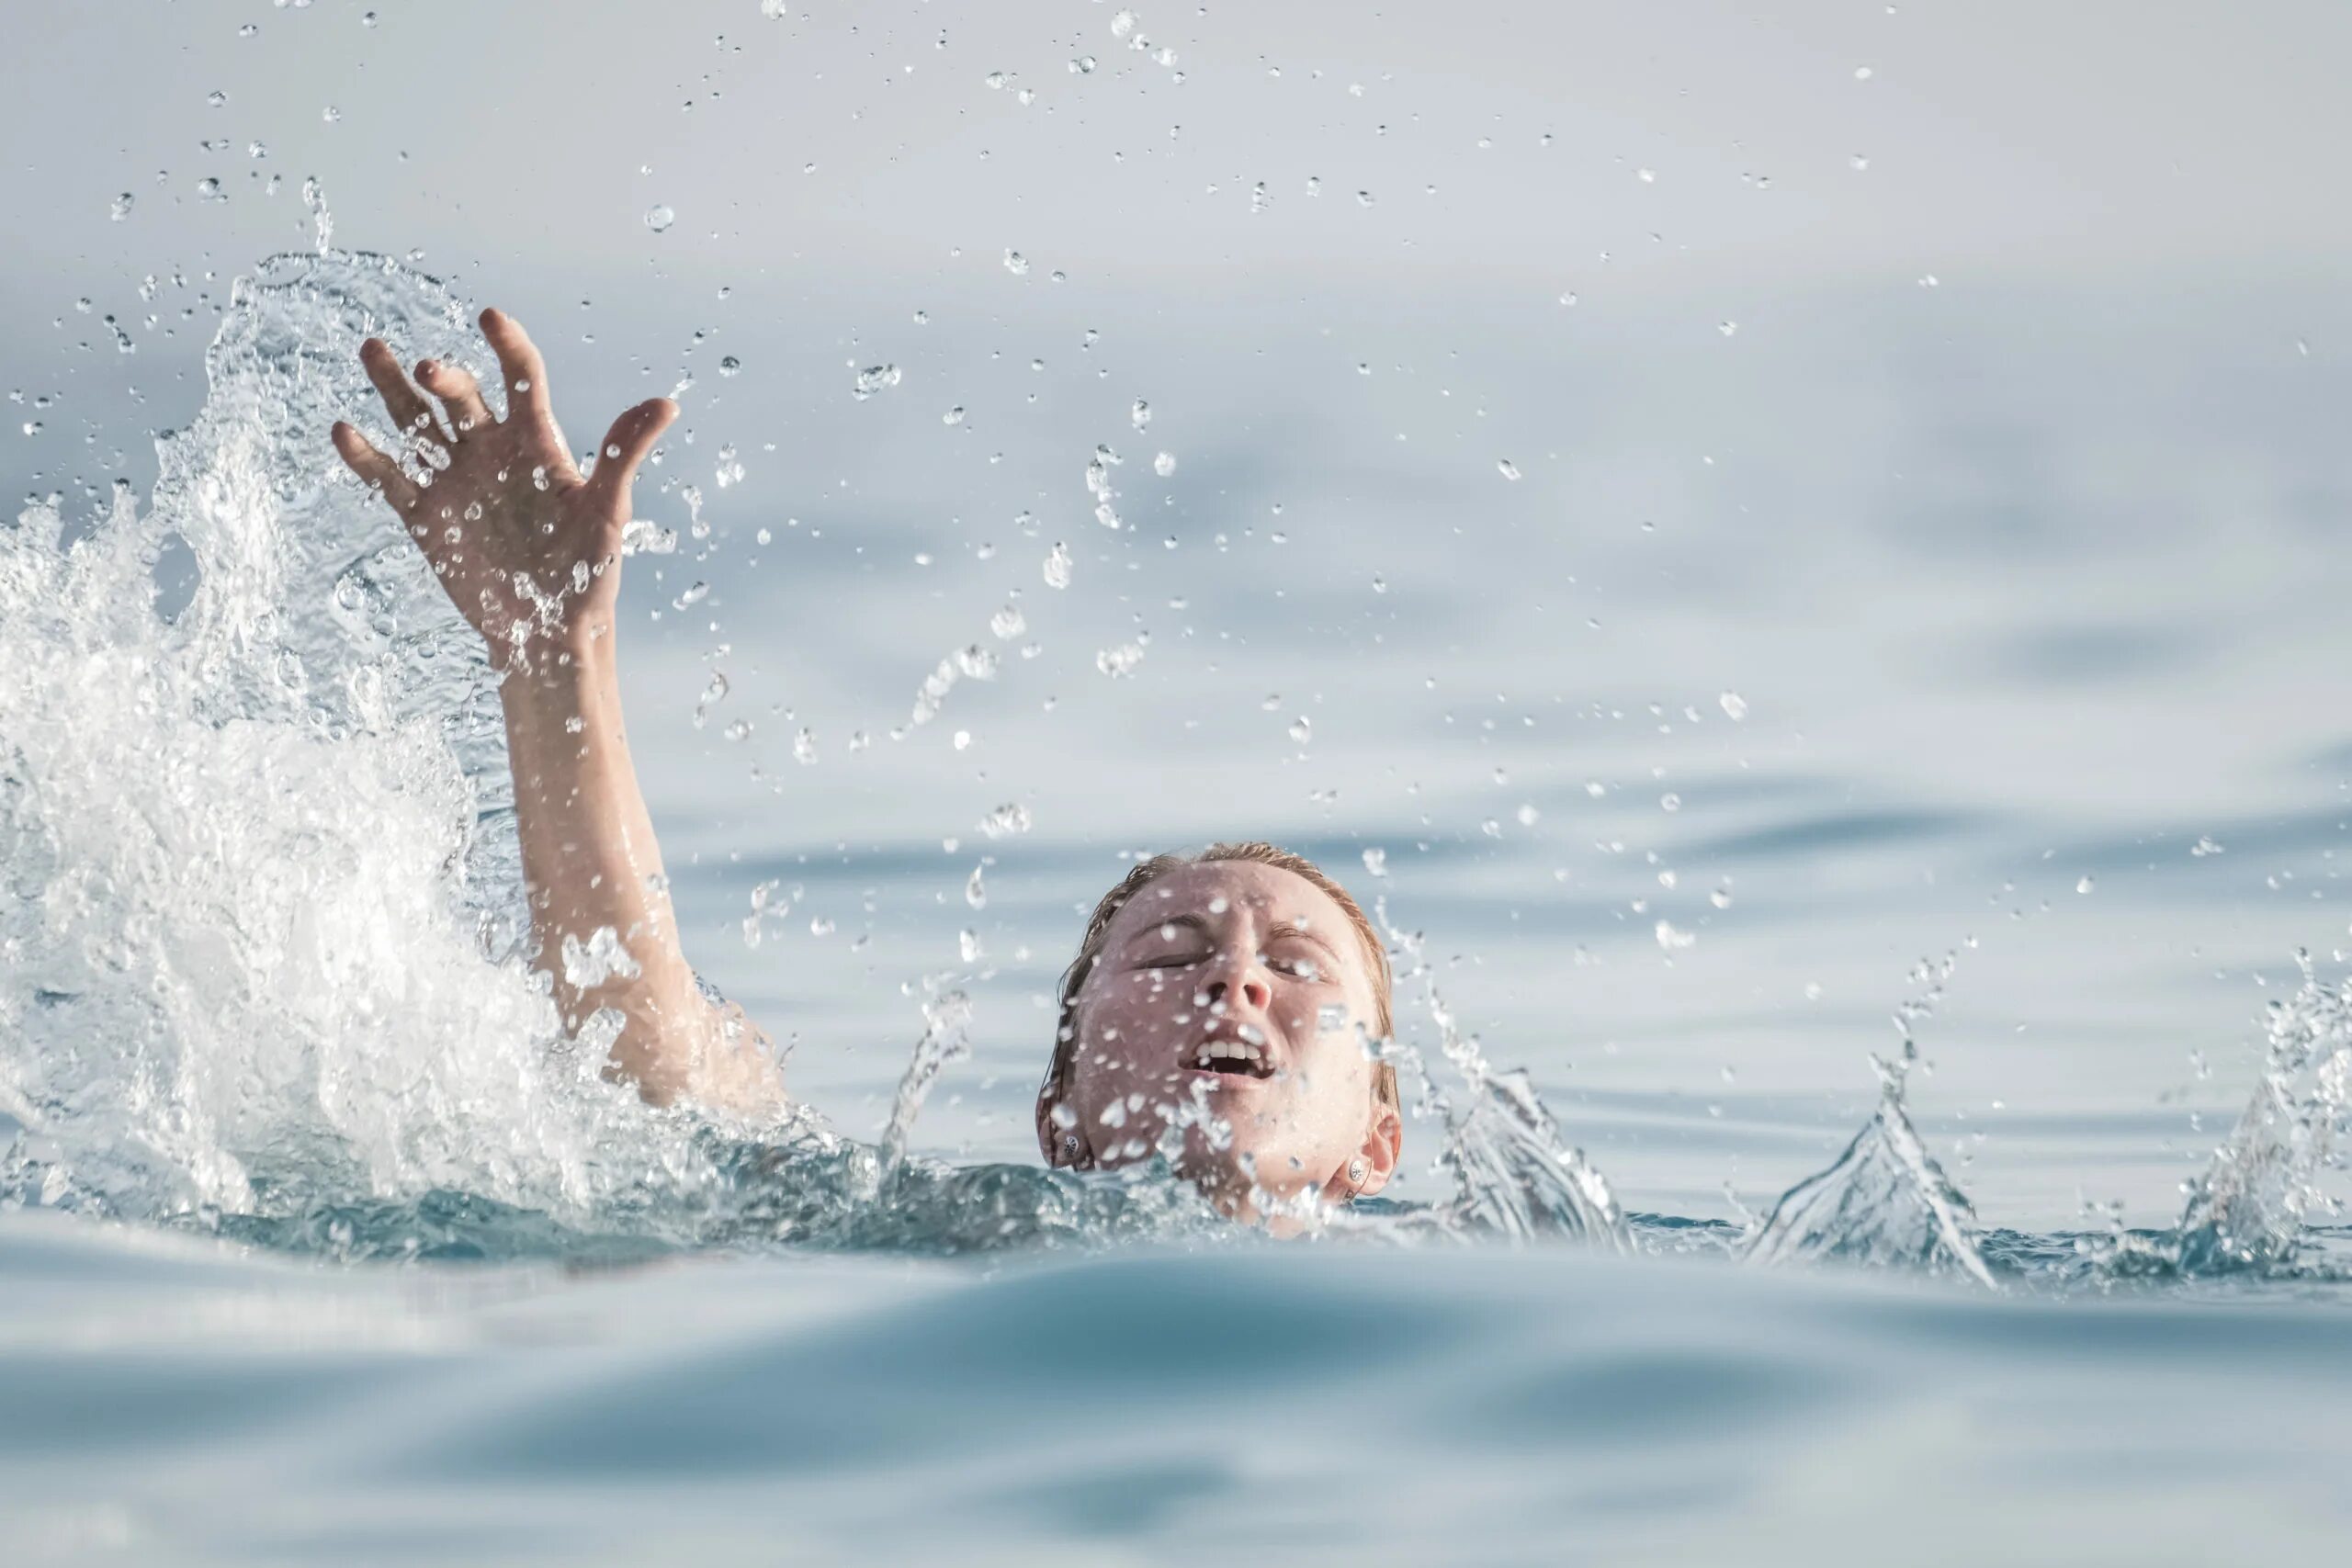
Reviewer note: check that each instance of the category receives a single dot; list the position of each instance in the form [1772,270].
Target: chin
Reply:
[1236,1176]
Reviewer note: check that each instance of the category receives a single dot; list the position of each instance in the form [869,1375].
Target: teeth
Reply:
[1230,1051]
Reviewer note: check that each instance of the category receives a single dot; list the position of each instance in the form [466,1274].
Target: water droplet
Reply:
[659,218]
[1505,468]
[873,379]
[1527,816]
[1669,802]
[1302,729]
[774,10]
[1120,662]
[121,207]
[1123,24]
[1728,327]
[968,944]
[1140,414]
[215,98]
[1057,566]
[694,595]
[367,18]
[1734,706]
[953,416]
[1082,66]
[1674,940]
[1016,263]
[1379,584]
[1008,622]
[209,190]
[2085,886]
[640,537]
[1164,465]
[995,79]
[730,365]
[1365,199]
[975,892]
[1376,861]
[1006,820]
[331,114]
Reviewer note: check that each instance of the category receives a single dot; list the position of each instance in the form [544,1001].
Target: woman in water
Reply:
[1228,998]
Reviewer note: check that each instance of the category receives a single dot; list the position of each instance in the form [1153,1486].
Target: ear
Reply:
[1384,1143]
[1052,1141]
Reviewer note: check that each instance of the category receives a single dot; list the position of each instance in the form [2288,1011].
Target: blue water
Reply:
[318,1244]
[167,1403]
[1858,816]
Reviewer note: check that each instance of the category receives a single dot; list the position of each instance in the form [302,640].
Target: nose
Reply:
[1255,992]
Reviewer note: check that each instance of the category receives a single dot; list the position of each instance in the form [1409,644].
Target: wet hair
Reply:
[1145,872]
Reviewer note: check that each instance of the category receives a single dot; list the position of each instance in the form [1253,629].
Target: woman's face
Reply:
[1232,999]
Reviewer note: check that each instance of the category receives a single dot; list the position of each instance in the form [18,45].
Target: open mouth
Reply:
[1233,1058]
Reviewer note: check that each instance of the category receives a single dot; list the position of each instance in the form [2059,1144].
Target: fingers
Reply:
[526,373]
[410,415]
[625,446]
[458,392]
[378,471]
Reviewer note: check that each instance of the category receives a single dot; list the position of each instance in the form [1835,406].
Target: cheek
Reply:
[1336,1047]
[1117,1034]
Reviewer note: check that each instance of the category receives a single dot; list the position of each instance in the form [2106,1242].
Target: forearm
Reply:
[591,862]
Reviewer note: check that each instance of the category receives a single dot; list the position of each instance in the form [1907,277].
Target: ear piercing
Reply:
[1069,1147]
[1355,1171]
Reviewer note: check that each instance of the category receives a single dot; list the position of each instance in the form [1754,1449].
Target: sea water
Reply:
[322,1237]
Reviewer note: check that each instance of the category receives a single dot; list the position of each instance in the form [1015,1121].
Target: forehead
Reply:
[1266,893]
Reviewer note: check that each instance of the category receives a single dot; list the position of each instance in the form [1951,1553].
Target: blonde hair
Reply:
[1098,931]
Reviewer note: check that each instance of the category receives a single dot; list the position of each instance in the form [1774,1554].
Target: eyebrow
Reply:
[1274,932]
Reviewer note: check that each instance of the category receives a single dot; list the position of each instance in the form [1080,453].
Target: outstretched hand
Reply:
[527,547]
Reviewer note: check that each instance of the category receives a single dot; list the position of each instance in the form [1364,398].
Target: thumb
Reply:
[625,446]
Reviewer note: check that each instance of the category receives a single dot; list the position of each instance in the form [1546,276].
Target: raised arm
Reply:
[529,550]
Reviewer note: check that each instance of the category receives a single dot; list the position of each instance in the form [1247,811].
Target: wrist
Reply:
[555,672]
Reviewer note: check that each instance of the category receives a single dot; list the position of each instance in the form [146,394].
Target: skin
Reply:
[526,542]
[1215,951]
[535,568]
